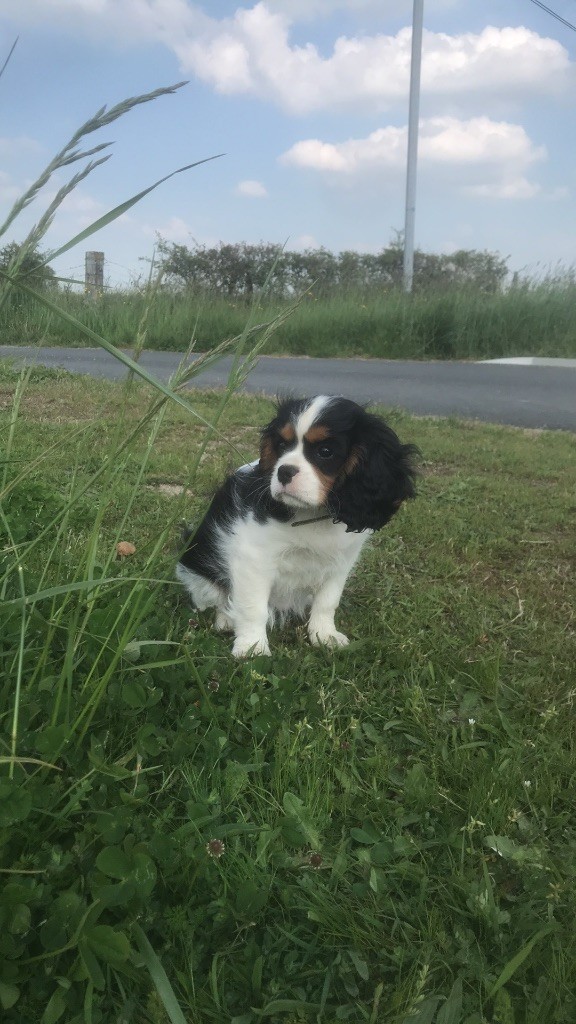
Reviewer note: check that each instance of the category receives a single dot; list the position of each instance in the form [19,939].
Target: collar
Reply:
[314,519]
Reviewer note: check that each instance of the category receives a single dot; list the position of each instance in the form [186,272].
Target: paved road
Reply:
[523,396]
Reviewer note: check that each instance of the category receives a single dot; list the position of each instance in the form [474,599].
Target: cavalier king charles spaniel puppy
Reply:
[283,533]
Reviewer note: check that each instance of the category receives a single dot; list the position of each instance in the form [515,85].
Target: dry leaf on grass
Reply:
[124,549]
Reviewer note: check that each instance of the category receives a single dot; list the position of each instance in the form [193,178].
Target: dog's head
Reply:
[330,453]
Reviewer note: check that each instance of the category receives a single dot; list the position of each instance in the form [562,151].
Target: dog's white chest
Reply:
[304,557]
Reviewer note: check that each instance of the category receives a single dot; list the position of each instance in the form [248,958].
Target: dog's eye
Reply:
[325,451]
[281,445]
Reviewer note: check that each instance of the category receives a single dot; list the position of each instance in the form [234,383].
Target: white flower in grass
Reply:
[215,848]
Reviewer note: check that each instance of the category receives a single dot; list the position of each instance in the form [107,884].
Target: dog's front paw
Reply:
[322,637]
[249,647]
[223,623]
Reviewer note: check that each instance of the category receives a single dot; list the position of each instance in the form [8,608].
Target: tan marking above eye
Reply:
[288,432]
[315,434]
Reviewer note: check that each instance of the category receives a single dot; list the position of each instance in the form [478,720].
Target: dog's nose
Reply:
[285,473]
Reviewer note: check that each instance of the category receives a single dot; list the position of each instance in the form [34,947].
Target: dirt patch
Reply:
[170,490]
[438,469]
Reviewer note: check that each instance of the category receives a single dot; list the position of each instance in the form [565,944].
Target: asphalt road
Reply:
[522,396]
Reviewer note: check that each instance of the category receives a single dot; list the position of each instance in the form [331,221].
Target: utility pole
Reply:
[94,273]
[412,158]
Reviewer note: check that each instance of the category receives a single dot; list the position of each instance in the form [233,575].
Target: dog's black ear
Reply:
[379,475]
[267,453]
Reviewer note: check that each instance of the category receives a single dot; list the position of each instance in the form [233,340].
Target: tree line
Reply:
[243,270]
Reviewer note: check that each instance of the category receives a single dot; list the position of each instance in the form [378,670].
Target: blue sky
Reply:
[308,101]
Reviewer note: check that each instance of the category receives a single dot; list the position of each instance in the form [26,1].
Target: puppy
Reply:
[283,533]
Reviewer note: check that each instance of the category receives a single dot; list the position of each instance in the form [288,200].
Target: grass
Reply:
[381,835]
[536,319]
[385,834]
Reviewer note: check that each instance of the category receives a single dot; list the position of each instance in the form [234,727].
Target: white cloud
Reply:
[252,53]
[123,22]
[304,242]
[487,157]
[252,189]
[477,141]
[443,140]
[308,10]
[174,230]
[517,188]
[383,147]
[82,205]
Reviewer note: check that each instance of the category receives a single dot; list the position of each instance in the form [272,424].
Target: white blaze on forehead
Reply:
[308,418]
[305,487]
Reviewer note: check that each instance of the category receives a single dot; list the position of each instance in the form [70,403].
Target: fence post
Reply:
[94,273]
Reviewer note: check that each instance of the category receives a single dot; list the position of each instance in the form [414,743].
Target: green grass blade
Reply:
[451,1011]
[516,961]
[27,600]
[424,1013]
[112,215]
[159,977]
[105,117]
[39,230]
[266,328]
[285,1006]
[20,649]
[103,343]
[70,154]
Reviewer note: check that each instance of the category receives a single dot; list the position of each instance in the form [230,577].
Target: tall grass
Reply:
[536,319]
[71,632]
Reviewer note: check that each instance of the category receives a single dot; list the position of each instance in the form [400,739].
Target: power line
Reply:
[7,61]
[554,15]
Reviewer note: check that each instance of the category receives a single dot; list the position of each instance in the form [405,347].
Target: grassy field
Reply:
[530,320]
[384,834]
